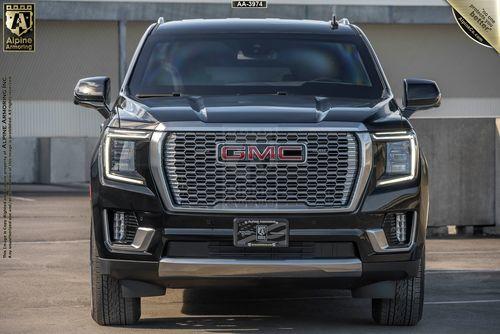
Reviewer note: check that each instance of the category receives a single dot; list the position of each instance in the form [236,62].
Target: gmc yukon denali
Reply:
[257,152]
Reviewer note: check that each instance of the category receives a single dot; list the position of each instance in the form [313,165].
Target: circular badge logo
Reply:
[469,30]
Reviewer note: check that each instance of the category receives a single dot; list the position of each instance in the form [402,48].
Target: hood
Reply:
[259,109]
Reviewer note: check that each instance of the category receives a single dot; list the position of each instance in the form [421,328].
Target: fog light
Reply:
[119,227]
[401,227]
[123,227]
[397,228]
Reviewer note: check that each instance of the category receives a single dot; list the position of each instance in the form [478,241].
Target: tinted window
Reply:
[247,65]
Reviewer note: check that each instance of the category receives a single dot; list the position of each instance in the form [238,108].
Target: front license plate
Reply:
[260,232]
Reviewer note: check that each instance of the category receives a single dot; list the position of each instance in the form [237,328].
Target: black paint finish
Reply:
[372,115]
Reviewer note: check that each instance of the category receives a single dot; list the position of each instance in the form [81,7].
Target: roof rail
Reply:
[344,21]
[160,20]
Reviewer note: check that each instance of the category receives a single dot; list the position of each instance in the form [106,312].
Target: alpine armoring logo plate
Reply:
[261,153]
[19,27]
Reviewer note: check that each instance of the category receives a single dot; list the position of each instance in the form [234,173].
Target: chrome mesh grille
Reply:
[197,179]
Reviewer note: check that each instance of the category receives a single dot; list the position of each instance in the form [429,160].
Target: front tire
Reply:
[407,307]
[108,306]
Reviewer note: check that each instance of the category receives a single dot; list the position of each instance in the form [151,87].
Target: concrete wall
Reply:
[65,52]
[67,159]
[51,160]
[25,160]
[43,81]
[467,74]
[438,52]
[461,158]
[52,137]
[497,177]
[375,11]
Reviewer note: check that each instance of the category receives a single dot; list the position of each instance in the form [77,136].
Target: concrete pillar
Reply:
[122,50]
[44,159]
[497,176]
[67,160]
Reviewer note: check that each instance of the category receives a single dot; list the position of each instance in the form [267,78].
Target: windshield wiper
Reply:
[145,96]
[176,94]
[270,93]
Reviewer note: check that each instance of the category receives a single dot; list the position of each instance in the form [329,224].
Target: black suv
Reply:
[257,151]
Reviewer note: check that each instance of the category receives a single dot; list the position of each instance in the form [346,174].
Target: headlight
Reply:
[120,155]
[401,156]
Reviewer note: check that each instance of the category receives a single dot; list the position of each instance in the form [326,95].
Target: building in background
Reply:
[53,139]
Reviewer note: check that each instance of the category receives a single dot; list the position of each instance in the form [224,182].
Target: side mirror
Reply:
[93,93]
[420,94]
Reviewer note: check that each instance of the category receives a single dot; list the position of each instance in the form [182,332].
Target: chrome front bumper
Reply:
[213,268]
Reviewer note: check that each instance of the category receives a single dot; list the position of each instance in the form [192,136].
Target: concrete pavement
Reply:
[45,287]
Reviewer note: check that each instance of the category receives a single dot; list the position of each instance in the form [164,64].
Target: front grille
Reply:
[197,179]
[225,249]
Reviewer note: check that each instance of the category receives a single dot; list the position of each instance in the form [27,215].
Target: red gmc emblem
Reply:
[259,153]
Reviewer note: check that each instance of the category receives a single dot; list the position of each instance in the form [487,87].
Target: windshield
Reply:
[276,64]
